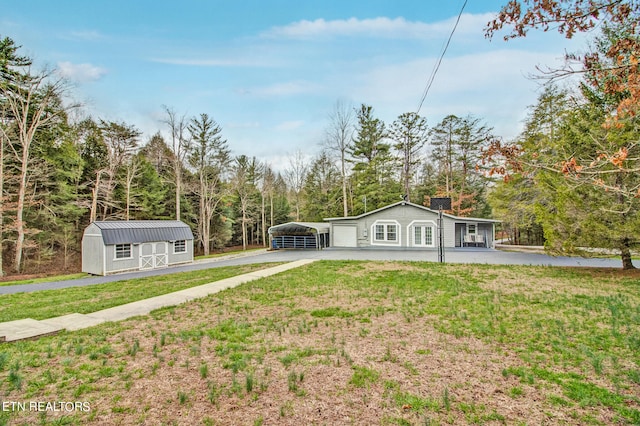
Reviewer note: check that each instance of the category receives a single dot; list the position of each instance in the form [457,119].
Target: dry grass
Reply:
[352,343]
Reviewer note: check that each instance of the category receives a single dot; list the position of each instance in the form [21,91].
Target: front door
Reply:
[153,255]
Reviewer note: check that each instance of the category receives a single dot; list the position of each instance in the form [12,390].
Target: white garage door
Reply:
[345,236]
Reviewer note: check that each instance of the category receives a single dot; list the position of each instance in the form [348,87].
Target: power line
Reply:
[437,66]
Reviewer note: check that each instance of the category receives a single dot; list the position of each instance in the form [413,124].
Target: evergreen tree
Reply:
[410,134]
[373,180]
[323,186]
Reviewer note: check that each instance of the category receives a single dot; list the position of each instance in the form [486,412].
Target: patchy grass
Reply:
[86,299]
[355,342]
[45,279]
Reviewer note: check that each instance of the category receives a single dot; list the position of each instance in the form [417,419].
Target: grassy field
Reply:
[51,303]
[352,343]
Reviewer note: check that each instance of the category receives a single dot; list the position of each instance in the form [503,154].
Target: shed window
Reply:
[180,246]
[123,251]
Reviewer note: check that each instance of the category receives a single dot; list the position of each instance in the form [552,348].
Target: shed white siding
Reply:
[113,246]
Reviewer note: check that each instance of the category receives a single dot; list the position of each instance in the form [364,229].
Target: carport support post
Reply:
[440,236]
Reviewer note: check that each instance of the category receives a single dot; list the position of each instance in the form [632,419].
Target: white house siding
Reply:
[405,214]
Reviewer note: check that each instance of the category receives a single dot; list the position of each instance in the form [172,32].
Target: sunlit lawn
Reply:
[392,343]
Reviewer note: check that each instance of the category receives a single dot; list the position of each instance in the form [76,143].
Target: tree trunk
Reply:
[94,198]
[344,187]
[128,202]
[271,214]
[263,218]
[625,254]
[1,202]
[244,229]
[178,185]
[22,189]
[462,188]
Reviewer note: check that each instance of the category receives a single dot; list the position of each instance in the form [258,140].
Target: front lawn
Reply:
[389,343]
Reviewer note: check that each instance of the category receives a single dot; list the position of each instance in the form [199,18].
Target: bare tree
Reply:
[121,140]
[339,139]
[295,175]
[245,173]
[133,171]
[179,146]
[210,156]
[34,102]
[267,189]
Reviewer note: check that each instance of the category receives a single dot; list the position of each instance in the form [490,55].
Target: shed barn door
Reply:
[153,255]
[160,255]
[146,256]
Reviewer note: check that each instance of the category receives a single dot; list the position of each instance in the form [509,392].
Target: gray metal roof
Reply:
[293,228]
[143,231]
[403,203]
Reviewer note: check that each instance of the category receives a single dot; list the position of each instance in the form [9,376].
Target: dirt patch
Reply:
[365,268]
[276,355]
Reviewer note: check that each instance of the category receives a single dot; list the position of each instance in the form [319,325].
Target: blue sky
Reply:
[270,72]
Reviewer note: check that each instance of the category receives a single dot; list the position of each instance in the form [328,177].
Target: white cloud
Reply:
[491,85]
[290,125]
[243,125]
[90,35]
[81,72]
[381,27]
[224,62]
[288,88]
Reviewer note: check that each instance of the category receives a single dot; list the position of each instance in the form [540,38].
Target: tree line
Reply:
[569,181]
[572,178]
[58,174]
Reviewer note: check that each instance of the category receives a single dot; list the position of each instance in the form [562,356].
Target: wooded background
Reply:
[570,180]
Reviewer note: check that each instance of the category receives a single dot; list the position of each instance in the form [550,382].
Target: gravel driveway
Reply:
[460,255]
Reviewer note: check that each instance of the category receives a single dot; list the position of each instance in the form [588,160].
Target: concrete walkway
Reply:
[29,328]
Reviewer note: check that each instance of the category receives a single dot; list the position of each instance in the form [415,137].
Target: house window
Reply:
[472,228]
[428,236]
[392,233]
[180,246]
[123,251]
[386,233]
[422,234]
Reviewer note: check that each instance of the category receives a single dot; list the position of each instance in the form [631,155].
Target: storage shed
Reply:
[299,235]
[408,225]
[117,246]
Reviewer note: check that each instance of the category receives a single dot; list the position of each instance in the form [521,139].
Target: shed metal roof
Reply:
[293,228]
[143,231]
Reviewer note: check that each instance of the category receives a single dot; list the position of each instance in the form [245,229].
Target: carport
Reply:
[299,235]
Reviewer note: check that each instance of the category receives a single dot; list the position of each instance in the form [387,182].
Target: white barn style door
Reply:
[153,255]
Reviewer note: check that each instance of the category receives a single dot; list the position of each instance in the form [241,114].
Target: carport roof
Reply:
[300,228]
